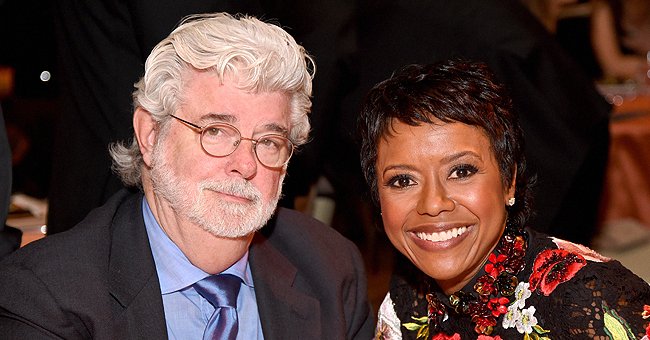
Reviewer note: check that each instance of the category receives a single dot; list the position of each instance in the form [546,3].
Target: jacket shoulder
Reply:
[297,234]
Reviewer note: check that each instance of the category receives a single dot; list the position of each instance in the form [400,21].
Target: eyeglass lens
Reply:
[222,140]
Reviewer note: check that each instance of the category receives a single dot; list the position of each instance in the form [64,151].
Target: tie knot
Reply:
[220,290]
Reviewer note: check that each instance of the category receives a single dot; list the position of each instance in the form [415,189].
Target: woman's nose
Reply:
[434,199]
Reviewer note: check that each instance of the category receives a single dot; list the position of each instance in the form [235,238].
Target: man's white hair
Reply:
[261,56]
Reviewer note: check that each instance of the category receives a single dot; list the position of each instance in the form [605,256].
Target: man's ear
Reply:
[145,132]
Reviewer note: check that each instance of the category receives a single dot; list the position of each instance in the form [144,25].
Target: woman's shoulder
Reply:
[597,293]
[388,323]
[554,261]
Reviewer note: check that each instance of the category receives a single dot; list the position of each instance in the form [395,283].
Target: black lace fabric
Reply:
[603,300]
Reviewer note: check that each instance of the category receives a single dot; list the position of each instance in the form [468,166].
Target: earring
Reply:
[511,201]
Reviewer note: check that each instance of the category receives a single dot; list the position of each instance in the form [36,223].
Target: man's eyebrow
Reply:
[212,117]
[276,128]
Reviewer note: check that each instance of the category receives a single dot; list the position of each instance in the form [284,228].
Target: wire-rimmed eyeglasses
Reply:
[222,139]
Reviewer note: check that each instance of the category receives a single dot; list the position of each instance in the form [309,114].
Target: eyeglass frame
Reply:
[201,129]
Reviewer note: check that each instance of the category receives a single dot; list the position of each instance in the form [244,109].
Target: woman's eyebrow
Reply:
[397,167]
[461,154]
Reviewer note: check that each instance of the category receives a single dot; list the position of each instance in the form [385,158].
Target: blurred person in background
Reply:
[620,36]
[30,103]
[548,12]
[9,237]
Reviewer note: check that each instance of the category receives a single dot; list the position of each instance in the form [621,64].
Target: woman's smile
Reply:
[442,197]
[441,236]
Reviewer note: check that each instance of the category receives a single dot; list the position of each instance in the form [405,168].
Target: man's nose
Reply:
[243,160]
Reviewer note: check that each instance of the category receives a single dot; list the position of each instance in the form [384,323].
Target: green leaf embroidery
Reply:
[422,326]
[615,326]
[423,319]
[411,326]
[540,330]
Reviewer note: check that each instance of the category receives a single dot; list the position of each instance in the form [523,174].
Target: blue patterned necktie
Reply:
[221,291]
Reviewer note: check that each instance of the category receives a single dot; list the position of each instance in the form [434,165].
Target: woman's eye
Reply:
[463,171]
[401,181]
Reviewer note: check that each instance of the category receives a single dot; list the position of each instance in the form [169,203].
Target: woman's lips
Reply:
[441,236]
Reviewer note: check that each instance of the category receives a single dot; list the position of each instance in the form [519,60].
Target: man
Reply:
[222,103]
[105,43]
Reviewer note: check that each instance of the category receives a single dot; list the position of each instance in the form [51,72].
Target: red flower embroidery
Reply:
[485,285]
[552,267]
[646,314]
[498,306]
[495,267]
[484,324]
[485,337]
[443,336]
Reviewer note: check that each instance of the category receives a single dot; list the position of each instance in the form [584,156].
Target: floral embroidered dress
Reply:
[532,287]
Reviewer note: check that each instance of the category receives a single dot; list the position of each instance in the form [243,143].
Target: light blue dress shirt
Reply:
[186,312]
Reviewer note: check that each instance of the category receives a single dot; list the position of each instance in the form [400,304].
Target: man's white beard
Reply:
[222,218]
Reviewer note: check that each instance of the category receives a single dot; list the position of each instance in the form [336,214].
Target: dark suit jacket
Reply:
[99,281]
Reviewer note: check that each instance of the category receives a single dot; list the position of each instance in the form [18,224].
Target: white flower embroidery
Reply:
[388,325]
[521,294]
[511,316]
[527,321]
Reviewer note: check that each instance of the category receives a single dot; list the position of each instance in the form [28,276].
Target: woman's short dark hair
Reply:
[449,91]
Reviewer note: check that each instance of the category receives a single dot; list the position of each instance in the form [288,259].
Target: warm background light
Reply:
[7,75]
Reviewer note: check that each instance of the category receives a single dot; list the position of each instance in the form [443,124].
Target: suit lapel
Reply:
[133,282]
[286,311]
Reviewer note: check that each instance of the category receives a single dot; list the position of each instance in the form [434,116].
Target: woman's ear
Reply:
[146,133]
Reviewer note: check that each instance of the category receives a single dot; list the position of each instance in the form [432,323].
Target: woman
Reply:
[442,152]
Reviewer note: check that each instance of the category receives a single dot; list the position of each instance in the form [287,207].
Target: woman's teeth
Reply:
[443,235]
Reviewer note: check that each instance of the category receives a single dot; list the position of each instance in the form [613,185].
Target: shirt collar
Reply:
[175,271]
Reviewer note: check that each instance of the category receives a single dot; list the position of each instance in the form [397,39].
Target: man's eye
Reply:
[269,143]
[401,181]
[213,131]
[220,133]
[463,171]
